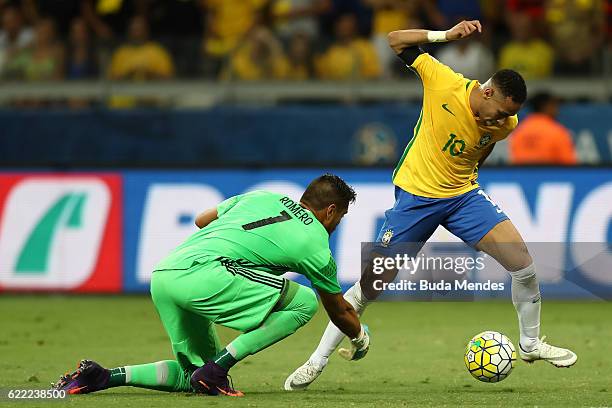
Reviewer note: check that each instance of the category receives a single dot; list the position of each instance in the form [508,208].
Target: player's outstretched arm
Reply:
[344,317]
[341,313]
[401,39]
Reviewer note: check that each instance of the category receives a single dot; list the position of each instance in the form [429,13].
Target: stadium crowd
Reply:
[292,39]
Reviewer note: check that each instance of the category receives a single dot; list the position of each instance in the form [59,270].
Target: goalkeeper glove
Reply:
[359,346]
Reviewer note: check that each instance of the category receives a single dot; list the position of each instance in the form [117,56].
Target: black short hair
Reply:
[326,190]
[511,84]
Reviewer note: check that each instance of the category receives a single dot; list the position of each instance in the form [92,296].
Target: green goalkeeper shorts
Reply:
[191,301]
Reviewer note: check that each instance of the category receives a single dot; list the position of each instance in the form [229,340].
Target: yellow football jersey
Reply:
[441,158]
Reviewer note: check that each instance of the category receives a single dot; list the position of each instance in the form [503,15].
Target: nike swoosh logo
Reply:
[560,358]
[444,106]
[297,386]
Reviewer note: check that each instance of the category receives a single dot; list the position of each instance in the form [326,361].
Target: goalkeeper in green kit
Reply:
[228,273]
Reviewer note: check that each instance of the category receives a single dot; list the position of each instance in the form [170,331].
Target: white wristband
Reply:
[436,36]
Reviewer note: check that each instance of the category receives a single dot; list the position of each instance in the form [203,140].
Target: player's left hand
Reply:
[463,30]
[359,346]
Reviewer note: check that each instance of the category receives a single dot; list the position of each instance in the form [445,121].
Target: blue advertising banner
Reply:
[564,214]
[238,136]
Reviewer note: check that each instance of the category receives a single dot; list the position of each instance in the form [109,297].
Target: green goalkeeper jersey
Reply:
[265,231]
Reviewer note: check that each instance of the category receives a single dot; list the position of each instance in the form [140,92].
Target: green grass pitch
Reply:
[416,357]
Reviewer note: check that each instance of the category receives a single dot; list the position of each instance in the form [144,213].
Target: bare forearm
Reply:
[347,321]
[402,39]
[341,313]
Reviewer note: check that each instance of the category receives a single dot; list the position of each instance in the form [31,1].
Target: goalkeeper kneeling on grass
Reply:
[228,273]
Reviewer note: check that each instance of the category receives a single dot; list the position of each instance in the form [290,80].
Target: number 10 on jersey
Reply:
[454,146]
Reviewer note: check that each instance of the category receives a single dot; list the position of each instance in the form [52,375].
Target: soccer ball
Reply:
[490,356]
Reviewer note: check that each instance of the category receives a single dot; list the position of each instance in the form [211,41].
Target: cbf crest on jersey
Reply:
[386,238]
[484,140]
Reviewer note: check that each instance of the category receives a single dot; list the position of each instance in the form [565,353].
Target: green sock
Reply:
[162,376]
[225,359]
[117,377]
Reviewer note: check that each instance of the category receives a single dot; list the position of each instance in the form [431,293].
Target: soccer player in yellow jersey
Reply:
[435,184]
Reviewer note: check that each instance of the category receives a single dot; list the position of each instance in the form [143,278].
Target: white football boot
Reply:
[303,376]
[557,356]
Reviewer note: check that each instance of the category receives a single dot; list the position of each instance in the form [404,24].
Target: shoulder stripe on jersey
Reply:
[407,149]
[468,84]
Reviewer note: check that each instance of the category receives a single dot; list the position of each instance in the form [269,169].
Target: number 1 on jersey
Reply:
[493,203]
[284,216]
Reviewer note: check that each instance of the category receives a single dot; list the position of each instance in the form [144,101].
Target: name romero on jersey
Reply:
[297,210]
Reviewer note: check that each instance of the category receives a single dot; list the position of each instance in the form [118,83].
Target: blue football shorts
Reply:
[469,216]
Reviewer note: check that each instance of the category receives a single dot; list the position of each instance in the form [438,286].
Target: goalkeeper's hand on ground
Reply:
[359,346]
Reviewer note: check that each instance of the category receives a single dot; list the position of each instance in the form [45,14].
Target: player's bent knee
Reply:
[525,259]
[312,304]
[519,259]
[308,303]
